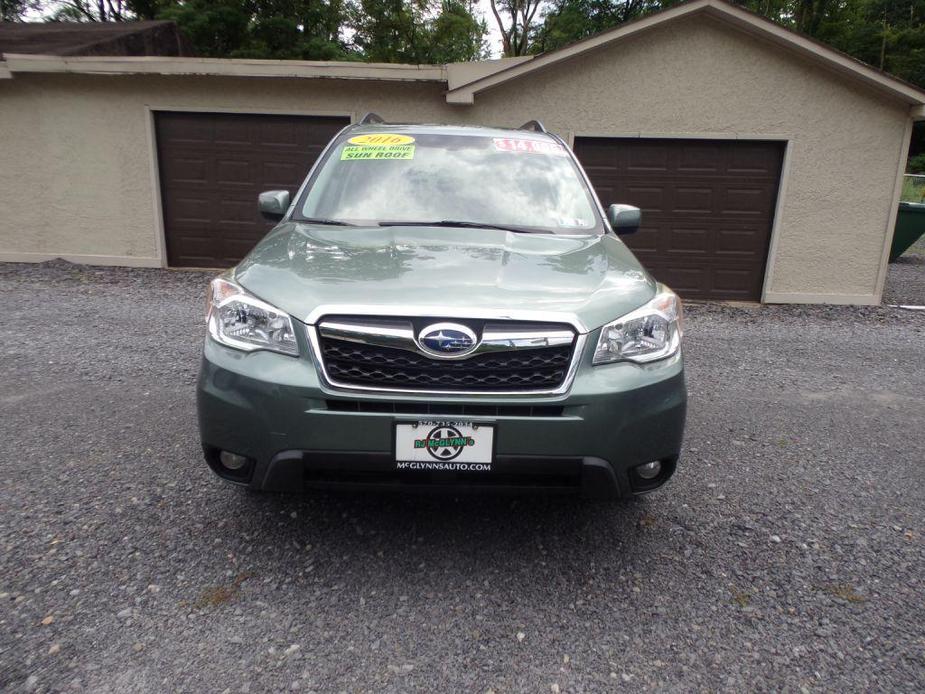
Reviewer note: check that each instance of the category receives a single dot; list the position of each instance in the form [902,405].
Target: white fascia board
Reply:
[159,65]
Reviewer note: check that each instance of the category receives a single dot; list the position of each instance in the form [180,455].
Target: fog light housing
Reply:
[232,461]
[649,471]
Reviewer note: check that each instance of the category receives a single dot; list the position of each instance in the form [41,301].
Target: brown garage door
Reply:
[707,207]
[213,165]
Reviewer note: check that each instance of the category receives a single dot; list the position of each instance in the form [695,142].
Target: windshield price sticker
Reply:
[354,152]
[381,139]
[378,146]
[510,144]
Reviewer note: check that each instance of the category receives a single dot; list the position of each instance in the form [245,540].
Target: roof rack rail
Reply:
[370,118]
[534,125]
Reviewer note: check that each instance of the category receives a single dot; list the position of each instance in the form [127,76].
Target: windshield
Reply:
[518,183]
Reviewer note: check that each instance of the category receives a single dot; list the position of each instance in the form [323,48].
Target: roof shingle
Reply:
[102,38]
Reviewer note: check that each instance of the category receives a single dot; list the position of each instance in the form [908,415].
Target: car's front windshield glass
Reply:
[519,182]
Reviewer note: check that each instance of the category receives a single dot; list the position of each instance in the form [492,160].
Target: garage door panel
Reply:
[183,170]
[280,134]
[234,172]
[685,280]
[235,215]
[648,198]
[699,158]
[707,207]
[692,200]
[279,174]
[213,165]
[236,248]
[233,131]
[646,158]
[746,201]
[688,241]
[755,159]
[191,211]
[185,129]
[709,281]
[739,242]
[195,251]
[595,158]
[732,280]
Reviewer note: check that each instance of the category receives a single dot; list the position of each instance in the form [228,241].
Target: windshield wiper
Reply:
[322,220]
[457,223]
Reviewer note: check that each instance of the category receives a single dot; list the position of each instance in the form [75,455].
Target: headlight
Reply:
[649,333]
[242,321]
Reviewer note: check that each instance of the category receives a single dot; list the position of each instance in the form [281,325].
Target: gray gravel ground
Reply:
[787,553]
[905,282]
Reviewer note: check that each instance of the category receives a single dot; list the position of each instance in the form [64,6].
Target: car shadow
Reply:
[395,540]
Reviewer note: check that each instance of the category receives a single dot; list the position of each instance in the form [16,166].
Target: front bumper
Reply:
[298,433]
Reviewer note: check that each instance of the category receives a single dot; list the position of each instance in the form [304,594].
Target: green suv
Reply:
[443,307]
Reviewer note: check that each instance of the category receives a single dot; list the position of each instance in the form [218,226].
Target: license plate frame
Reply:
[469,446]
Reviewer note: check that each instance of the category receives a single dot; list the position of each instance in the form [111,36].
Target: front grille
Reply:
[358,364]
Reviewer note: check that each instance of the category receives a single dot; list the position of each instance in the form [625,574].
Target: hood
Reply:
[299,267]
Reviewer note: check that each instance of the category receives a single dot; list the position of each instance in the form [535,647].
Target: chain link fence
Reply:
[913,188]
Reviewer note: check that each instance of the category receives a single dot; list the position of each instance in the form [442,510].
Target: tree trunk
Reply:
[883,45]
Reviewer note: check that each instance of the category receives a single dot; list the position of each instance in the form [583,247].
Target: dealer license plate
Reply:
[444,445]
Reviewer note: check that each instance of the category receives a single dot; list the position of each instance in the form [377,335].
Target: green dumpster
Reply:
[910,225]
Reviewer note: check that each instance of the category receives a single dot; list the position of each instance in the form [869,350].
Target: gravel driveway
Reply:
[905,282]
[787,553]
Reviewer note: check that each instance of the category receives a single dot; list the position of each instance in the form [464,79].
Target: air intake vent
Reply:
[450,409]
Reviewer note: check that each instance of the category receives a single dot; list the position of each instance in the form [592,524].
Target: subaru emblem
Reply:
[447,340]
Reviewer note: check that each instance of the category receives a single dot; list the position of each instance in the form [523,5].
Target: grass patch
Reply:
[647,521]
[216,596]
[845,592]
[741,598]
[913,189]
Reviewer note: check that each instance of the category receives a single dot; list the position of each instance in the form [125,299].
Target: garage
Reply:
[213,165]
[768,166]
[708,207]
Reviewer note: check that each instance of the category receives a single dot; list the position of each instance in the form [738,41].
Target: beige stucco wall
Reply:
[76,172]
[76,176]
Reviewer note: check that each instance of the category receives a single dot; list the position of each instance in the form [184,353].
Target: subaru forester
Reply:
[443,307]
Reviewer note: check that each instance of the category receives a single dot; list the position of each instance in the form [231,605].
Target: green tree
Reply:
[566,21]
[457,34]
[216,28]
[390,31]
[15,10]
[888,34]
[305,29]
[87,10]
[417,31]
[516,23]
[279,29]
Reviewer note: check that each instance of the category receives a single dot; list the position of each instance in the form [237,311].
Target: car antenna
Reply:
[371,118]
[534,125]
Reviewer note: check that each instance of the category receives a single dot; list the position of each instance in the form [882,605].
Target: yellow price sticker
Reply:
[381,139]
[355,152]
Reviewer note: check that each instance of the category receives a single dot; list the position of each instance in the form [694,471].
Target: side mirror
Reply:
[273,204]
[624,219]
